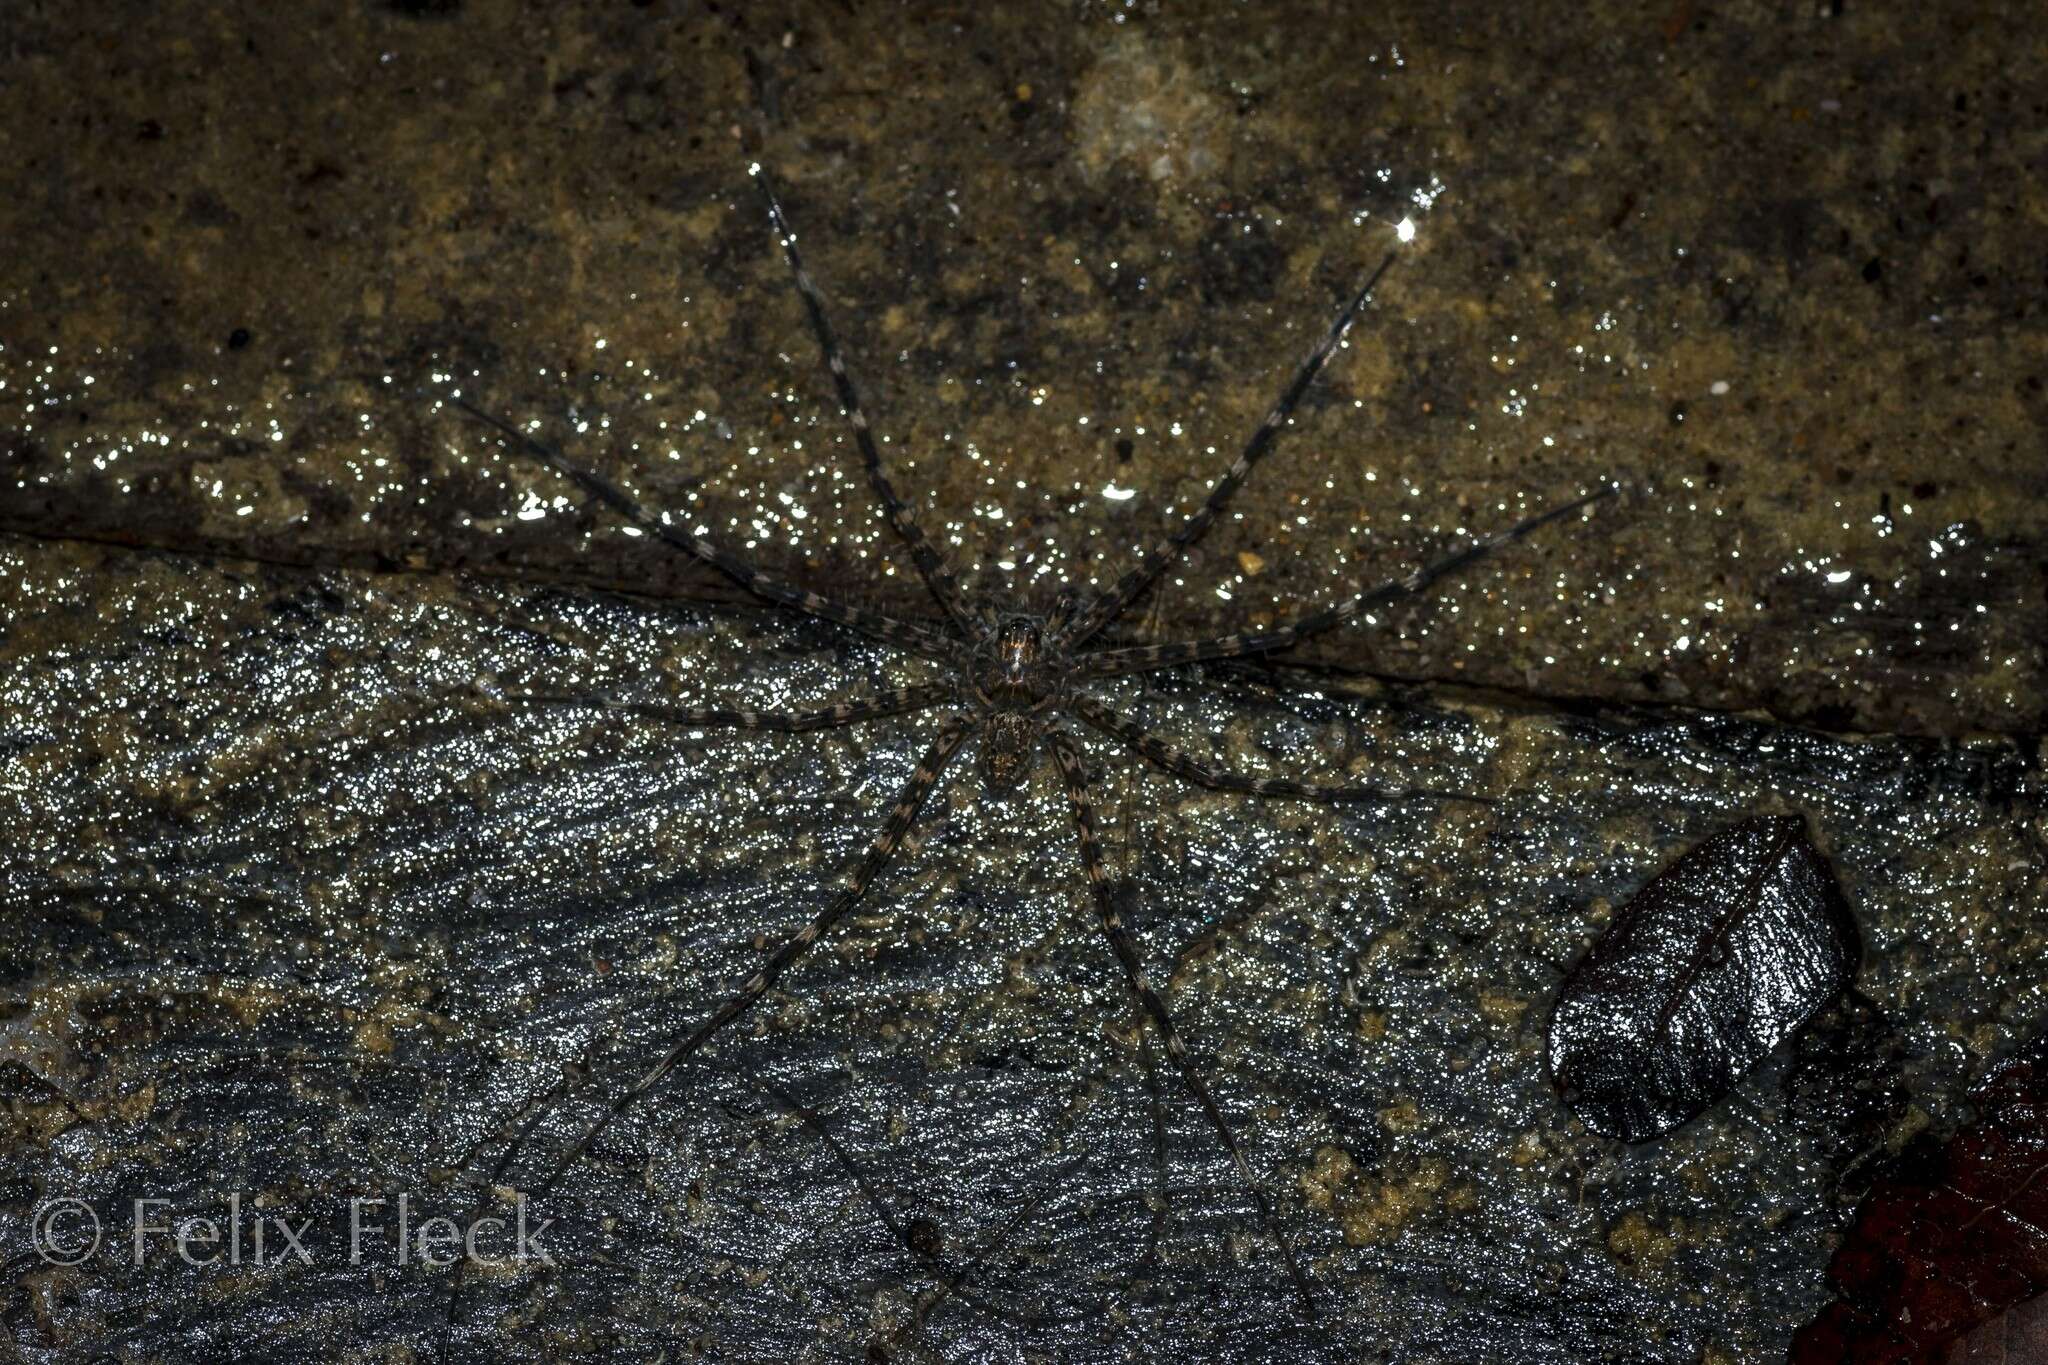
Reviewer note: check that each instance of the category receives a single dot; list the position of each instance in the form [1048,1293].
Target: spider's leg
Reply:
[1164,755]
[814,1121]
[902,634]
[1159,1170]
[879,852]
[519,1127]
[908,803]
[516,1130]
[988,1248]
[930,566]
[1114,663]
[1126,590]
[895,702]
[950,1282]
[1069,760]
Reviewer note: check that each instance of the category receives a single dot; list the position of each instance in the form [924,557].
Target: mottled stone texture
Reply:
[295,908]
[1776,268]
[290,906]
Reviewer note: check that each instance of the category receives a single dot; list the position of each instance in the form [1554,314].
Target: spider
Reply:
[1016,678]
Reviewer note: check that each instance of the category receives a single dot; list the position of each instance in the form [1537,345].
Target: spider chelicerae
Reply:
[1016,676]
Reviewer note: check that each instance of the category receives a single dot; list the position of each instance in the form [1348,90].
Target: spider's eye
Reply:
[1018,642]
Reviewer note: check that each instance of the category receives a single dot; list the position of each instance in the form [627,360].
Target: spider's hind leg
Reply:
[1164,756]
[895,702]
[930,768]
[902,634]
[1068,757]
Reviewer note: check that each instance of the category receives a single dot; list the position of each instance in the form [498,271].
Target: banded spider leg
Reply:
[1015,672]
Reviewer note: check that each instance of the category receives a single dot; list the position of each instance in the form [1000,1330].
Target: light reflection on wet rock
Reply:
[328,911]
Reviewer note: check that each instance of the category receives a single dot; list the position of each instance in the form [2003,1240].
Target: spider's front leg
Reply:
[938,579]
[1113,603]
[902,634]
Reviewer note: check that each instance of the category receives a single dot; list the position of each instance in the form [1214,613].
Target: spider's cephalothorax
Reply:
[1016,678]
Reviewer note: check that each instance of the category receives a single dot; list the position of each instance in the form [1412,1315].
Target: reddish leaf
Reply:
[2017,1337]
[1950,1241]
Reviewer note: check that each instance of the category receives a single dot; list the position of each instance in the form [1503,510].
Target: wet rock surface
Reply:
[294,905]
[299,907]
[1778,272]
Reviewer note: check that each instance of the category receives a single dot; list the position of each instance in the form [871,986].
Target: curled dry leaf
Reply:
[1712,965]
[1950,1238]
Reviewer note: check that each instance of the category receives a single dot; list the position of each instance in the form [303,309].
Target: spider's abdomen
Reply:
[1007,738]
